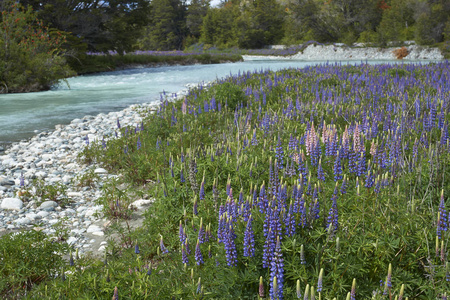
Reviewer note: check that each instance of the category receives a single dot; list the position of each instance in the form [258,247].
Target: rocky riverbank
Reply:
[52,158]
[339,52]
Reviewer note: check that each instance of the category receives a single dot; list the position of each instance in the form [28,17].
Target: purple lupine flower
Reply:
[298,291]
[353,291]
[261,287]
[230,246]
[442,220]
[333,218]
[319,281]
[337,169]
[136,249]
[182,179]
[277,271]
[249,239]
[289,221]
[201,232]
[71,261]
[199,285]
[198,254]
[184,257]
[86,139]
[370,180]
[118,123]
[279,154]
[163,248]
[22,180]
[138,144]
[181,233]
[320,173]
[202,190]
[344,185]
[116,294]
[195,207]
[268,249]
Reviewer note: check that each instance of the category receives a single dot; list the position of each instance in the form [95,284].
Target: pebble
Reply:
[52,157]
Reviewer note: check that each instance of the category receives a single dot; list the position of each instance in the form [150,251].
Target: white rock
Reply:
[93,210]
[12,204]
[102,248]
[100,171]
[43,214]
[74,194]
[72,240]
[93,228]
[48,205]
[139,204]
[23,221]
[98,233]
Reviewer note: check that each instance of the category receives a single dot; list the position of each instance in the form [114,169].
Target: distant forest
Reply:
[125,25]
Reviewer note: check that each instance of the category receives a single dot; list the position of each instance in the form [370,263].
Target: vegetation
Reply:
[30,54]
[329,180]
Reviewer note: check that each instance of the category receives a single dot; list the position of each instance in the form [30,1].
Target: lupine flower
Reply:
[195,207]
[184,257]
[201,232]
[202,190]
[136,249]
[277,273]
[261,287]
[442,224]
[199,283]
[306,294]
[22,180]
[400,295]
[337,170]
[162,247]
[319,282]
[116,294]
[138,144]
[198,254]
[353,291]
[302,255]
[71,262]
[298,291]
[230,246]
[249,239]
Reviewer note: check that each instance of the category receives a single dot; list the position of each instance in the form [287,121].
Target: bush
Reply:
[30,58]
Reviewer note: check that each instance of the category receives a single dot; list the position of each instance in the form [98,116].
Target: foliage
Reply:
[31,56]
[28,258]
[40,191]
[243,149]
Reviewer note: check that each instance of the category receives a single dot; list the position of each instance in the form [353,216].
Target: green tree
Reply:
[31,58]
[197,10]
[260,23]
[167,28]
[219,26]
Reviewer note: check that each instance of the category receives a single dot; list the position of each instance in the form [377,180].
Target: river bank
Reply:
[51,157]
[340,52]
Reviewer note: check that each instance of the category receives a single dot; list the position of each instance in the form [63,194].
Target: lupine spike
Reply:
[298,292]
[402,290]
[306,294]
[261,287]
[319,282]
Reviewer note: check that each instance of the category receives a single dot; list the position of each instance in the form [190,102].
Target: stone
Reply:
[12,204]
[139,204]
[48,205]
[100,171]
[93,228]
[7,182]
[23,221]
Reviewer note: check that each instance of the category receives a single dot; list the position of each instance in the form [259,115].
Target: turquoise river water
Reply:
[24,115]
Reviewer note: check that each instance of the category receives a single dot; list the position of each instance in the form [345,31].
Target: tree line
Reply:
[125,25]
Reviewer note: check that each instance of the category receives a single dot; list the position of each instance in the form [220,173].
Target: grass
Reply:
[328,180]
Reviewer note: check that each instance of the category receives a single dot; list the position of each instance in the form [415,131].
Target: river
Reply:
[24,115]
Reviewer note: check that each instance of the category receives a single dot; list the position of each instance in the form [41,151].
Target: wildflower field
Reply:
[317,183]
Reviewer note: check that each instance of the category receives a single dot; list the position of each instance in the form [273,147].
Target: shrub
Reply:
[30,58]
[401,53]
